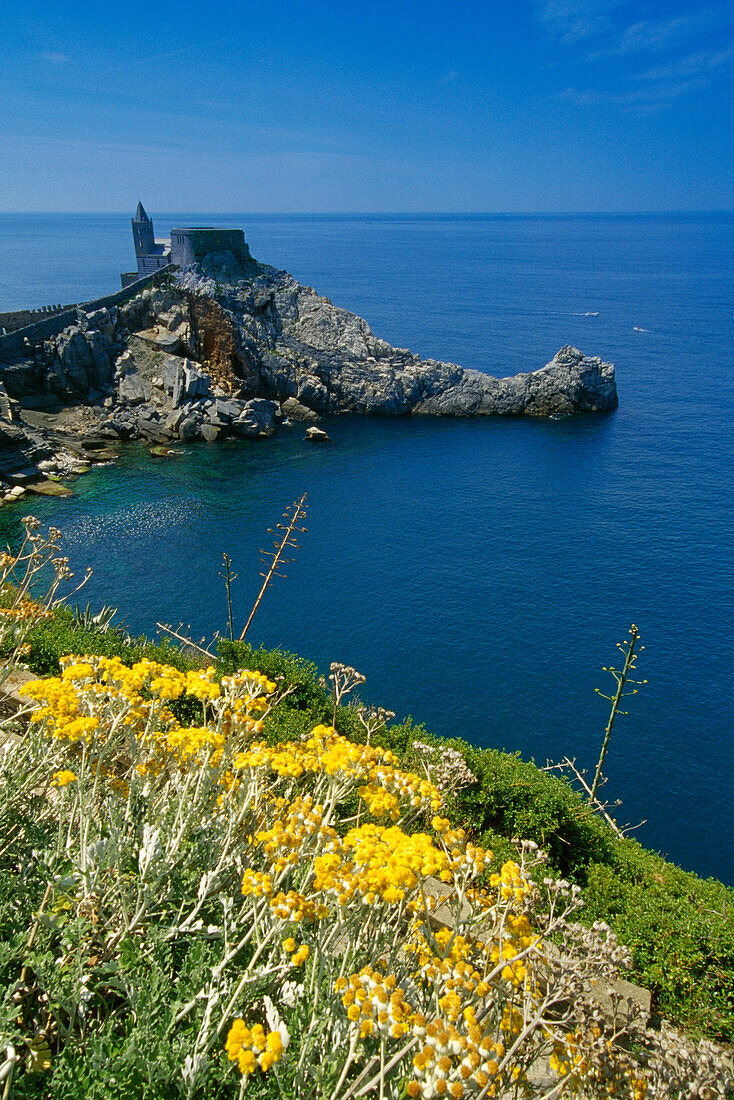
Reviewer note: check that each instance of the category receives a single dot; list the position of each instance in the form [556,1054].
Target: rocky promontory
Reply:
[204,357]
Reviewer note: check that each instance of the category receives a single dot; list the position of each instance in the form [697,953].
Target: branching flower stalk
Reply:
[294,515]
[29,585]
[228,578]
[622,677]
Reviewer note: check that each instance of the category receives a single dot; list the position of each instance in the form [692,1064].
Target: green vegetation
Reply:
[184,840]
[679,927]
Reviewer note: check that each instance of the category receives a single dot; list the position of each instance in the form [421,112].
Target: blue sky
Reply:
[388,105]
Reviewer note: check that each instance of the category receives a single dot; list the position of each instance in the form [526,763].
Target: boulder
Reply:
[189,382]
[188,429]
[313,394]
[210,432]
[174,420]
[262,412]
[317,435]
[131,390]
[229,408]
[294,410]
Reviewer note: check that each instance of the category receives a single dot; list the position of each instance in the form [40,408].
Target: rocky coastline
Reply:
[208,355]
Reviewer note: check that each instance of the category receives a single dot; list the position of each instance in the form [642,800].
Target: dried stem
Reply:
[229,577]
[185,640]
[294,514]
[628,648]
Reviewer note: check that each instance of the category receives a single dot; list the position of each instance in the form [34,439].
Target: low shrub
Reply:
[679,928]
[191,911]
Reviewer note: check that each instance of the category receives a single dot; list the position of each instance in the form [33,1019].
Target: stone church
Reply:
[184,248]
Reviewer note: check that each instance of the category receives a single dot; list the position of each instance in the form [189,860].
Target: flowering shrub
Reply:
[318,928]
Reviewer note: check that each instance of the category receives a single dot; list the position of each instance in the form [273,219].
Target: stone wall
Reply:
[190,246]
[21,318]
[18,344]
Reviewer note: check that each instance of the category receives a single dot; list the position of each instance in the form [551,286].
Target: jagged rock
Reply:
[104,320]
[262,413]
[313,394]
[328,359]
[189,383]
[116,428]
[171,374]
[221,266]
[231,357]
[159,338]
[246,426]
[294,410]
[96,442]
[270,349]
[317,435]
[173,318]
[124,363]
[174,420]
[20,452]
[188,429]
[131,390]
[229,408]
[101,373]
[73,366]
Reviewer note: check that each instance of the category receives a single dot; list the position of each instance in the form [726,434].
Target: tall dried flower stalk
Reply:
[622,677]
[294,515]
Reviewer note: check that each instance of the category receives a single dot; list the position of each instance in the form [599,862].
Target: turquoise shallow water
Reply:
[478,572]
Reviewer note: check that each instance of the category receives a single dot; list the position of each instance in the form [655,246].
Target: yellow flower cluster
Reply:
[300,954]
[511,883]
[62,779]
[25,611]
[59,707]
[253,1048]
[192,740]
[456,1059]
[94,696]
[385,788]
[376,1005]
[296,824]
[304,879]
[296,907]
[606,1076]
[377,862]
[462,1046]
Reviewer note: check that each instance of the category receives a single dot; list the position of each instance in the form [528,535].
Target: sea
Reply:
[480,573]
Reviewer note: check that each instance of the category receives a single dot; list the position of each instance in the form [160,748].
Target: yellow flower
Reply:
[243,1046]
[301,955]
[63,779]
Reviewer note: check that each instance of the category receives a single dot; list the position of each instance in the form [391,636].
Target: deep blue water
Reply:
[478,572]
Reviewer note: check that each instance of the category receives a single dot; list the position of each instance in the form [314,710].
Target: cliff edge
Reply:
[330,361]
[203,357]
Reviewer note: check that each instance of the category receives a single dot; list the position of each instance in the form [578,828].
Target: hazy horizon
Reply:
[711,211]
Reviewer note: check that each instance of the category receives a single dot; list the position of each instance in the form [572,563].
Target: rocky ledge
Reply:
[206,359]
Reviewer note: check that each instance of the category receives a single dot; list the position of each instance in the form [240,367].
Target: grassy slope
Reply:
[679,927]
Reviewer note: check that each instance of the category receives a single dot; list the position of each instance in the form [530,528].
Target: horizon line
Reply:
[396,213]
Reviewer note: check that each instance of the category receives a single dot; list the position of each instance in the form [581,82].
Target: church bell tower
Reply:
[143,237]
